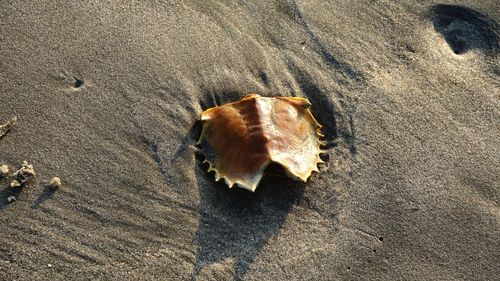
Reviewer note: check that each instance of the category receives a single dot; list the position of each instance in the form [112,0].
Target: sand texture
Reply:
[107,94]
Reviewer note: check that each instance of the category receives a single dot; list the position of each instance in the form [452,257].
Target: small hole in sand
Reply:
[78,83]
[410,49]
[348,268]
[381,239]
[374,250]
[263,77]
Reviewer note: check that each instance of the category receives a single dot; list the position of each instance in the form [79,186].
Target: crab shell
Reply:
[240,139]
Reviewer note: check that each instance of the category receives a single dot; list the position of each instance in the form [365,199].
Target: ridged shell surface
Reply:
[240,139]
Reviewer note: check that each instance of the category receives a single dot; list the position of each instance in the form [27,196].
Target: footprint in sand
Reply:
[465,29]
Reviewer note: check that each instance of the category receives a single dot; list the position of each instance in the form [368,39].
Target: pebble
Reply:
[55,182]
[4,170]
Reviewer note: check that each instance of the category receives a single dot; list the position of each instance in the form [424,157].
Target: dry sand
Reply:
[107,94]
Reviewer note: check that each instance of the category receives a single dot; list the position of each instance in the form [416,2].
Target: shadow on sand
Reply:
[47,193]
[8,192]
[235,223]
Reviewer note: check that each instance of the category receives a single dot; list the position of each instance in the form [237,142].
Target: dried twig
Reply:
[4,129]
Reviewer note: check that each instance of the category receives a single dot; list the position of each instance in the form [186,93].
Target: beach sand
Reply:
[107,94]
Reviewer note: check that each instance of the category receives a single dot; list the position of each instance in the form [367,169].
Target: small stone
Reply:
[55,182]
[4,170]
[11,199]
[23,175]
[49,265]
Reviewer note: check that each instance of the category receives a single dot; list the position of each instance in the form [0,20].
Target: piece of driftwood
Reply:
[4,129]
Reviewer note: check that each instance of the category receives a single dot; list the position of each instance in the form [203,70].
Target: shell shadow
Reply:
[465,29]
[235,223]
[336,124]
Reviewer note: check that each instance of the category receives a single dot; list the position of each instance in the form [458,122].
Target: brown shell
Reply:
[240,139]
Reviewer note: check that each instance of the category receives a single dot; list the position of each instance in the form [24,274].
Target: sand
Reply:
[107,94]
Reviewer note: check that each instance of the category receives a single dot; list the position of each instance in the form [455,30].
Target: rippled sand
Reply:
[107,96]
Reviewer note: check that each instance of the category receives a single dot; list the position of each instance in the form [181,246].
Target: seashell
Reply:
[240,139]
[4,170]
